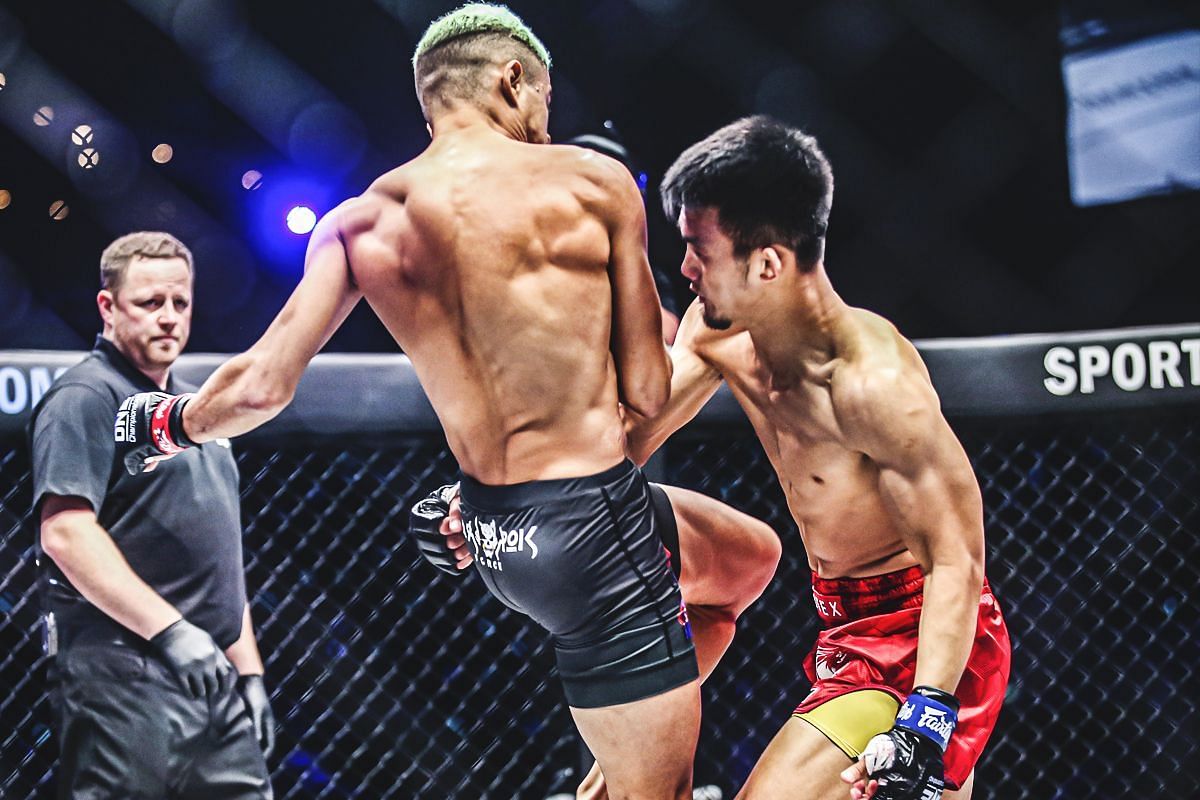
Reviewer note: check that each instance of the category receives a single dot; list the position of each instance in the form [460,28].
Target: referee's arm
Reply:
[71,471]
[243,653]
[90,560]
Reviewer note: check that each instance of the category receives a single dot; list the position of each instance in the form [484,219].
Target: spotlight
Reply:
[301,219]
[43,116]
[162,153]
[251,180]
[88,157]
[5,199]
[59,210]
[82,135]
[3,81]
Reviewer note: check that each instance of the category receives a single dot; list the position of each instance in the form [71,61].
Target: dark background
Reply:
[945,124]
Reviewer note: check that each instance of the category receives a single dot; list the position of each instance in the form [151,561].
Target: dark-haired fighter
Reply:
[514,275]
[909,672]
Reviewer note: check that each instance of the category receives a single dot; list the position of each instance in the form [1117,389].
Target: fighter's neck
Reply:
[805,328]
[464,119]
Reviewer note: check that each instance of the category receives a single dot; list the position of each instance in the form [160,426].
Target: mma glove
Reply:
[908,760]
[149,427]
[258,706]
[424,525]
[195,659]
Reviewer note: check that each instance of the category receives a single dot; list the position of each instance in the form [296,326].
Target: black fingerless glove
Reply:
[908,760]
[424,525]
[150,424]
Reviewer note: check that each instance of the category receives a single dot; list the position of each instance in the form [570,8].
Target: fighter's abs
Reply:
[832,490]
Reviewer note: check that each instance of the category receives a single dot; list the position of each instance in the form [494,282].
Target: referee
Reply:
[156,679]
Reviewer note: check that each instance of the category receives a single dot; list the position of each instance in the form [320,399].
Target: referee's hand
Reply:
[258,706]
[195,659]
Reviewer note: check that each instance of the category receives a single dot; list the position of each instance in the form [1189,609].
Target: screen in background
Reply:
[1132,78]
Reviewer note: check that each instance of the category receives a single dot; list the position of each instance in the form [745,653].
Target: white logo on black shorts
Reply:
[489,541]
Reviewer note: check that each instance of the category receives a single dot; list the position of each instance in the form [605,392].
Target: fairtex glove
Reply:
[149,428]
[424,525]
[908,760]
[258,706]
[194,657]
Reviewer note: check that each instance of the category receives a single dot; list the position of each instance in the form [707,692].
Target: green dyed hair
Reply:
[477,18]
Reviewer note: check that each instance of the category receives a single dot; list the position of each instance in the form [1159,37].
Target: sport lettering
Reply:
[1130,366]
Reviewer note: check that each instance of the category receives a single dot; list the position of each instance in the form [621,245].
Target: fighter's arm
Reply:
[693,383]
[251,388]
[72,537]
[926,481]
[643,365]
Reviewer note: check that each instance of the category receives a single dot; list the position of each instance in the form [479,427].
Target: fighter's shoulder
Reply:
[605,172]
[586,161]
[362,212]
[877,367]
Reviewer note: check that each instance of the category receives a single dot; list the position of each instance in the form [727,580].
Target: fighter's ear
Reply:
[770,265]
[512,80]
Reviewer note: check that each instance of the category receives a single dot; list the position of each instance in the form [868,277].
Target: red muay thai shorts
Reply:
[869,641]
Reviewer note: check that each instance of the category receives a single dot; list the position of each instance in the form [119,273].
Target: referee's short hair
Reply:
[114,261]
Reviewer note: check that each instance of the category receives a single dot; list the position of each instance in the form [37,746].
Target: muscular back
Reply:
[489,261]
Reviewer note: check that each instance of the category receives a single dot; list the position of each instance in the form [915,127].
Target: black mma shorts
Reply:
[584,558]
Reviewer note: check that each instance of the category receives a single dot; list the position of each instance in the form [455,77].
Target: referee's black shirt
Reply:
[178,526]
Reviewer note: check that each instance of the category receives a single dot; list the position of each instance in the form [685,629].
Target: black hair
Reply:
[769,182]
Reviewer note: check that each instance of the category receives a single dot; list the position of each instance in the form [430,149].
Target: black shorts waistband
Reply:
[517,496]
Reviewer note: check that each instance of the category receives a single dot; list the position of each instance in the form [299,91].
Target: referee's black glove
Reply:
[258,706]
[430,529]
[195,659]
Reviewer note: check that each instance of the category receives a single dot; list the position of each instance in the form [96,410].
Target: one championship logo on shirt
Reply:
[488,541]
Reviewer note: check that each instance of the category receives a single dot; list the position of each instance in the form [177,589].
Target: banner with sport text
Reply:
[978,377]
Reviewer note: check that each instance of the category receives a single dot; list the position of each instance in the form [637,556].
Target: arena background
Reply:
[964,207]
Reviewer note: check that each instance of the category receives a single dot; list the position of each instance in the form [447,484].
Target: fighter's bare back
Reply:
[489,262]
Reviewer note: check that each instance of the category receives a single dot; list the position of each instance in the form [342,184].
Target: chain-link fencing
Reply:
[390,680]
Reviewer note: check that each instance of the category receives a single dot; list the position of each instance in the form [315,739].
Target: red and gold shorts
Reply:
[870,643]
